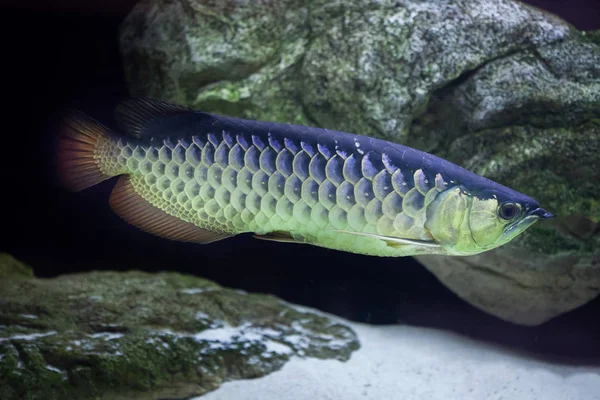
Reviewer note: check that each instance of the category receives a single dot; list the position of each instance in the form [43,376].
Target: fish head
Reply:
[467,223]
[498,216]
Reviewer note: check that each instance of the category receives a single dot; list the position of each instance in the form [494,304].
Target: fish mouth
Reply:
[516,229]
[530,218]
[540,213]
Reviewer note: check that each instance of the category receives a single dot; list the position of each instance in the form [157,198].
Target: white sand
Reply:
[407,363]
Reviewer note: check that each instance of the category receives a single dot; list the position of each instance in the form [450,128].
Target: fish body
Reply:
[199,177]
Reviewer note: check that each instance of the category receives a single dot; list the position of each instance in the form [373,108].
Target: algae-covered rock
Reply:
[504,89]
[363,66]
[594,35]
[10,268]
[135,335]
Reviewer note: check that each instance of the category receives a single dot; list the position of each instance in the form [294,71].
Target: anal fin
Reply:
[137,211]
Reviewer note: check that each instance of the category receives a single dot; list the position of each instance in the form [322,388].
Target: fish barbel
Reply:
[193,176]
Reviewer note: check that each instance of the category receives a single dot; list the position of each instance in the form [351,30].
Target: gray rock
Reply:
[504,89]
[362,66]
[513,284]
[135,335]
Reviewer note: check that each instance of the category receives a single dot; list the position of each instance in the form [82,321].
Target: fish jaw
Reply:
[532,216]
[516,229]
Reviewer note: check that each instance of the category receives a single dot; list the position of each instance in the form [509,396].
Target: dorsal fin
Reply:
[145,117]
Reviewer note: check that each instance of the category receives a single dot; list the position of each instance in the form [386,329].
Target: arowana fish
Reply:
[193,176]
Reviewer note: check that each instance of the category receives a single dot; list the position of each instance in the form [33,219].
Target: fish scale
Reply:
[247,183]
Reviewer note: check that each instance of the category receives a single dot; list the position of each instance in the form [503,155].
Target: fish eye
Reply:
[509,211]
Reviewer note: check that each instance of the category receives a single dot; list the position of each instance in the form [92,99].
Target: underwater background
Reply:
[58,56]
[75,61]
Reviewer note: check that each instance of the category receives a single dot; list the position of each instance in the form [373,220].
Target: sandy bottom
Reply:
[408,363]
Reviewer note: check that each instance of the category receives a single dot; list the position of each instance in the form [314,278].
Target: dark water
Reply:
[54,59]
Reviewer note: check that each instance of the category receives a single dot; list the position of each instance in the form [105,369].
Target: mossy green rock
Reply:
[502,88]
[594,35]
[136,335]
[10,268]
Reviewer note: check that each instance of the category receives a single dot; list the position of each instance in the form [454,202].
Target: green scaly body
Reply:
[236,189]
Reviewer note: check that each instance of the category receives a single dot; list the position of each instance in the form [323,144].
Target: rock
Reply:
[504,89]
[12,269]
[362,66]
[135,335]
[512,283]
[594,35]
[237,48]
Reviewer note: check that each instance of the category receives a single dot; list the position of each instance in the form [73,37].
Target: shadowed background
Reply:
[64,55]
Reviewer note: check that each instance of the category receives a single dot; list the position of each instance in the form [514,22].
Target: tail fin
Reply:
[79,137]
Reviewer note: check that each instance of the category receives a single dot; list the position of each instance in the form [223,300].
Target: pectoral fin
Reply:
[277,236]
[394,241]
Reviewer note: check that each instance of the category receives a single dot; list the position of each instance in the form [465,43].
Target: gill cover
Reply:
[448,223]
[485,225]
